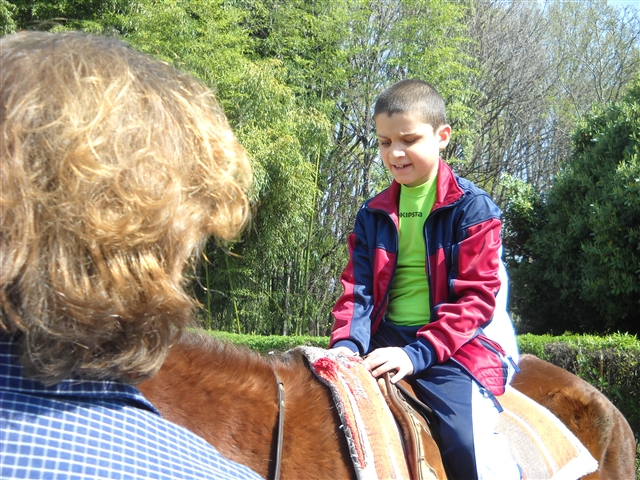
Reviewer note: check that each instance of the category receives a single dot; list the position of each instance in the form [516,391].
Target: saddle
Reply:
[414,420]
[389,431]
[543,447]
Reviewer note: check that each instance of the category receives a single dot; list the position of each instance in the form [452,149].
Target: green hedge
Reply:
[272,343]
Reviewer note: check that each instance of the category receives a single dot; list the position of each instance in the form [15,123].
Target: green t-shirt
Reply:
[409,294]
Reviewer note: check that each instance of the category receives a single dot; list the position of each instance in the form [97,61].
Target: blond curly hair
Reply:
[114,168]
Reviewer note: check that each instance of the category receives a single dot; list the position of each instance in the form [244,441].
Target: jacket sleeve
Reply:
[352,312]
[472,285]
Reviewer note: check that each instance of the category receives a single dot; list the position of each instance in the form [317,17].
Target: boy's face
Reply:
[409,147]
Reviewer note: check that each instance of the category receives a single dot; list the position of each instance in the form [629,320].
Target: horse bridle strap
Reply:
[280,438]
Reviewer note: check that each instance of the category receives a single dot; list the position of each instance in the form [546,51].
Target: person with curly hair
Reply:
[115,168]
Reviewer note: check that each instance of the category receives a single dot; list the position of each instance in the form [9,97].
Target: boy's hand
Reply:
[386,359]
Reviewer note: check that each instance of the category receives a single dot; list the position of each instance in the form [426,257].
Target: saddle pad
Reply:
[540,443]
[371,431]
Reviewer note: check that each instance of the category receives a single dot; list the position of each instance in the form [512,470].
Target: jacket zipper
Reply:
[426,248]
[374,317]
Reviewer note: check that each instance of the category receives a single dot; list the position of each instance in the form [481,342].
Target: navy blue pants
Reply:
[446,388]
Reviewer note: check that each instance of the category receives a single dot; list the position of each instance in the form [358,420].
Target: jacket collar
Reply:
[447,192]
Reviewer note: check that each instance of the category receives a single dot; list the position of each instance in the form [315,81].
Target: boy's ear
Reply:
[444,135]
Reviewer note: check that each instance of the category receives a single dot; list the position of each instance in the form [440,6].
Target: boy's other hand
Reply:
[386,359]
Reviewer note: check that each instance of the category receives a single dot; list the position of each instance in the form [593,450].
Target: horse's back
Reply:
[589,415]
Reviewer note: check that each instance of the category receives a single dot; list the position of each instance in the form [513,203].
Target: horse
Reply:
[229,396]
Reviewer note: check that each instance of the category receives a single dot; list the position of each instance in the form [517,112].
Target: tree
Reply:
[383,42]
[93,16]
[213,40]
[583,271]
[259,284]
[540,67]
[515,130]
[297,80]
[336,56]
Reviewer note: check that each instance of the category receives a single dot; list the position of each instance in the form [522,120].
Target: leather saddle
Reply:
[417,429]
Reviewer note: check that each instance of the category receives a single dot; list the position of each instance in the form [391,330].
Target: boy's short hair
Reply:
[413,95]
[114,170]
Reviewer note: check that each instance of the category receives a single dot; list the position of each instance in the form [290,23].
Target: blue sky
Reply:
[624,3]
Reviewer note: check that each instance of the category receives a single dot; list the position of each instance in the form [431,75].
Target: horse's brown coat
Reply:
[228,396]
[585,411]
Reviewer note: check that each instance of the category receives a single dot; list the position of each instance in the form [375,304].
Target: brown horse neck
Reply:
[228,395]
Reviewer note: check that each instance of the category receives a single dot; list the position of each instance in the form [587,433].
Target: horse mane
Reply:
[229,359]
[227,363]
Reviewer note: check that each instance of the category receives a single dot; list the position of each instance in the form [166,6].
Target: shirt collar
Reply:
[13,380]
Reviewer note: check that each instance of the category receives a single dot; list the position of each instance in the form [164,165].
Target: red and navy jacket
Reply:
[462,238]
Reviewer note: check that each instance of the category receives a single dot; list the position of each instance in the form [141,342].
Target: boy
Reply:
[114,169]
[422,281]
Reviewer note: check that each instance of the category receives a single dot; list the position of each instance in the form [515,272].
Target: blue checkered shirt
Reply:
[82,430]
